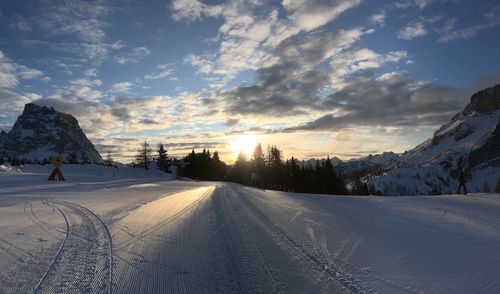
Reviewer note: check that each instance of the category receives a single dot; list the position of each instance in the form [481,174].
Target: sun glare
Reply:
[244,144]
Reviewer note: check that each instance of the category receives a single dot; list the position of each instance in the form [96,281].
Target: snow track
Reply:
[164,245]
[328,277]
[205,237]
[84,262]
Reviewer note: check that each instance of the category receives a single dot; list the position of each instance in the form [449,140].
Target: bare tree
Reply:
[109,159]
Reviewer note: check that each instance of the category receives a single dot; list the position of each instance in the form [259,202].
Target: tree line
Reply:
[267,170]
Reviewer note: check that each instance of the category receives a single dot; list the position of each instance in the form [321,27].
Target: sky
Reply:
[343,78]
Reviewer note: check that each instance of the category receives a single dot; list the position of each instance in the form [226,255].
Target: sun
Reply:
[245,144]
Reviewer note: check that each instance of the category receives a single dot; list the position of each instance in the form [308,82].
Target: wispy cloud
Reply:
[450,34]
[163,71]
[134,56]
[122,87]
[11,72]
[412,30]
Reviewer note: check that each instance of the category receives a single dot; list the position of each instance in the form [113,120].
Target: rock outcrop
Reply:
[41,132]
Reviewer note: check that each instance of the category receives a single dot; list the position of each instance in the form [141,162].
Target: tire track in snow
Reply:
[84,262]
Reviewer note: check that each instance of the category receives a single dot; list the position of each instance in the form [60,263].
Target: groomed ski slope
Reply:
[150,234]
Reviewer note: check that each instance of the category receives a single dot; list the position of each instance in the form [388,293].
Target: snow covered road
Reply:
[202,237]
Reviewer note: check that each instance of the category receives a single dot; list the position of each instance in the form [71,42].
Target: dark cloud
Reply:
[231,122]
[394,99]
[65,106]
[291,85]
[147,121]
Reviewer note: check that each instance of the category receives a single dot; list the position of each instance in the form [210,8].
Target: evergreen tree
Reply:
[144,155]
[219,167]
[240,170]
[162,160]
[359,188]
[258,160]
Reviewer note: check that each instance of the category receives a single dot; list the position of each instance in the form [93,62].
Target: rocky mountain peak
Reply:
[486,100]
[41,132]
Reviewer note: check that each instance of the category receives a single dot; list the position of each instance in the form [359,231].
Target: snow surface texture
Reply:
[130,231]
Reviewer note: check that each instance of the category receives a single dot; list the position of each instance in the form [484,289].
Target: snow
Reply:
[430,165]
[129,230]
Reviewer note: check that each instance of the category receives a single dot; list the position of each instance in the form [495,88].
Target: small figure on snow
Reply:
[461,178]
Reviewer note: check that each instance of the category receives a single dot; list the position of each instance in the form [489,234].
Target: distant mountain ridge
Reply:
[373,164]
[41,132]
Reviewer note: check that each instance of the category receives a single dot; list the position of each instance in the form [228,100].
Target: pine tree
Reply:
[109,159]
[240,169]
[162,158]
[144,155]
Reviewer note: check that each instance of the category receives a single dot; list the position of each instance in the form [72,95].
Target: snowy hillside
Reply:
[125,230]
[42,132]
[473,135]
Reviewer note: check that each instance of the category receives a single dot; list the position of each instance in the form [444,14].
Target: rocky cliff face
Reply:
[41,132]
[484,101]
[473,135]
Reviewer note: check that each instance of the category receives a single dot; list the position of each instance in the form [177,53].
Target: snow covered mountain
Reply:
[473,135]
[42,132]
[312,162]
[368,165]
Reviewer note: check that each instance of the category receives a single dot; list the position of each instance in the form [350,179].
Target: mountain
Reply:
[41,132]
[472,137]
[369,165]
[312,162]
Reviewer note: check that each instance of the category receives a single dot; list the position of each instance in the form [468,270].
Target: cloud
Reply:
[388,100]
[252,31]
[91,72]
[294,82]
[405,4]
[84,19]
[122,87]
[192,10]
[449,34]
[163,71]
[11,72]
[422,3]
[20,23]
[80,90]
[134,56]
[81,24]
[231,122]
[379,18]
[312,14]
[96,52]
[412,31]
